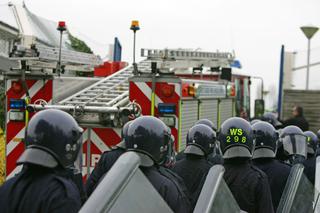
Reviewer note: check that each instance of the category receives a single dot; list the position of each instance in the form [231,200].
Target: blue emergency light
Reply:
[166,108]
[17,103]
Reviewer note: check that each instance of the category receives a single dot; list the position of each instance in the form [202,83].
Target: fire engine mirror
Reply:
[258,108]
[226,74]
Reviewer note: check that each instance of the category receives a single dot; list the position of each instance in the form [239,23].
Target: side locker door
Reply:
[208,108]
[189,115]
[225,110]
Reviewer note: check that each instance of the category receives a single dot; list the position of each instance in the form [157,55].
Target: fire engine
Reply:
[178,86]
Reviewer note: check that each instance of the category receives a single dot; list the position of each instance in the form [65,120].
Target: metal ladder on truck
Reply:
[104,102]
[46,58]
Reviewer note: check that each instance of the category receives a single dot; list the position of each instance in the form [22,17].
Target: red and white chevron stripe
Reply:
[95,142]
[141,93]
[38,89]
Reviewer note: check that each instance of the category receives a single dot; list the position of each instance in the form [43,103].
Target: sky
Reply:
[254,29]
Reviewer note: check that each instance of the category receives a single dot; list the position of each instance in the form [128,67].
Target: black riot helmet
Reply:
[236,138]
[169,158]
[312,142]
[124,135]
[272,119]
[148,135]
[208,123]
[52,138]
[200,140]
[294,143]
[266,138]
[254,121]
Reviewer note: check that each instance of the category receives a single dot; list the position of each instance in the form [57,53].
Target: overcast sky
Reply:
[255,29]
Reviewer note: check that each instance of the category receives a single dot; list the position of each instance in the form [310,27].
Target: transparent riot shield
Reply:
[298,195]
[215,195]
[317,186]
[125,189]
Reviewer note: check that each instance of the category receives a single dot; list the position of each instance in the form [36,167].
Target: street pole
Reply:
[309,32]
[308,64]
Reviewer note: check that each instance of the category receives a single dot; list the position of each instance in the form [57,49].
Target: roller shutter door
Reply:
[209,110]
[189,115]
[225,109]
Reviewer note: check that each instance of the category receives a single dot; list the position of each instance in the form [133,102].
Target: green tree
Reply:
[78,44]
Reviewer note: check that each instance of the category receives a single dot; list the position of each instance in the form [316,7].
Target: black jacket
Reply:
[299,121]
[105,163]
[249,185]
[38,189]
[193,170]
[310,168]
[168,190]
[278,173]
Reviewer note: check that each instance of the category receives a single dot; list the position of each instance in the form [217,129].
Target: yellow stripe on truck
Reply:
[152,103]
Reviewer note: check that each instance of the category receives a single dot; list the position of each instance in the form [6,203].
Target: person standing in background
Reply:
[297,119]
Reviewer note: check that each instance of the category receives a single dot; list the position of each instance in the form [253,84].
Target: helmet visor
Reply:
[78,161]
[295,144]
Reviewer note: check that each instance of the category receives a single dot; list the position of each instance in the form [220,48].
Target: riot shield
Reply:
[215,195]
[125,189]
[298,195]
[317,185]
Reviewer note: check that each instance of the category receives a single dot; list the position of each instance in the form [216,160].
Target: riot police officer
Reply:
[194,168]
[264,158]
[149,137]
[310,162]
[108,158]
[214,155]
[53,142]
[294,144]
[248,184]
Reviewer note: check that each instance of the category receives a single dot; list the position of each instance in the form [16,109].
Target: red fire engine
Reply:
[177,86]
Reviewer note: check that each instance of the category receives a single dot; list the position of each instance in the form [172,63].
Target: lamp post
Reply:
[61,27]
[309,32]
[134,27]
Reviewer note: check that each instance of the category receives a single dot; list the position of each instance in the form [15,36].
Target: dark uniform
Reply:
[248,184]
[38,189]
[310,168]
[46,182]
[149,137]
[193,169]
[169,191]
[177,180]
[105,163]
[264,158]
[278,173]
